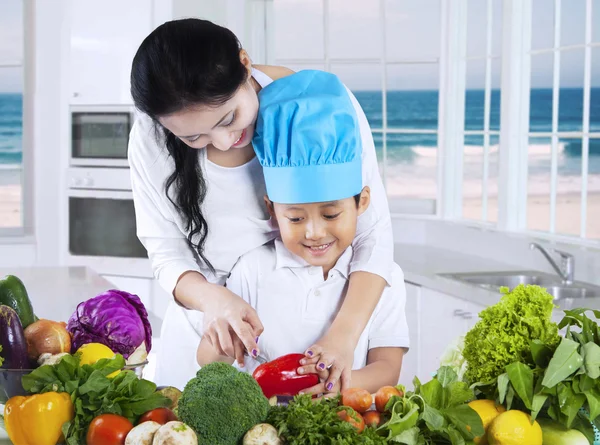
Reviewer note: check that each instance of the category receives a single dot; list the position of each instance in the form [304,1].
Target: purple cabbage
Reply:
[114,318]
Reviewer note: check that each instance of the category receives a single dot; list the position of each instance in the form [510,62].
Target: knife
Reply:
[259,358]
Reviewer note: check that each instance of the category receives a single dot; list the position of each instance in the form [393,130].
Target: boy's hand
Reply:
[335,357]
[323,387]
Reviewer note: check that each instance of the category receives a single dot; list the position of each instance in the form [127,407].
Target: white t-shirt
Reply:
[297,306]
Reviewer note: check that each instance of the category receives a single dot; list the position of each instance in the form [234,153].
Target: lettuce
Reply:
[505,331]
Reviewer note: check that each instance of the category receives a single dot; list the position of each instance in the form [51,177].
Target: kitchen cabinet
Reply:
[435,319]
[410,363]
[104,38]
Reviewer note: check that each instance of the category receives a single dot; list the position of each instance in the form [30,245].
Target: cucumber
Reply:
[14,295]
[12,340]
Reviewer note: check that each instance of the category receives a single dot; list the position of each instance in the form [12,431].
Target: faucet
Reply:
[567,268]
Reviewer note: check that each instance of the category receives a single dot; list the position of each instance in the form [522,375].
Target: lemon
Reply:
[488,410]
[90,353]
[514,428]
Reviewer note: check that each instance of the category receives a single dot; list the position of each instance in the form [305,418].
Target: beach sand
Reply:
[10,206]
[568,213]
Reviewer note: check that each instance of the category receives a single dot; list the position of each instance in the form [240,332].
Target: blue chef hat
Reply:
[307,139]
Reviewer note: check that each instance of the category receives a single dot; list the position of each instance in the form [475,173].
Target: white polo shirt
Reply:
[297,306]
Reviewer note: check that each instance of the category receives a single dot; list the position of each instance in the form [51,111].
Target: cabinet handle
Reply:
[467,316]
[459,313]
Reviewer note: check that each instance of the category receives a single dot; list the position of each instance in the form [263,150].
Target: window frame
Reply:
[24,232]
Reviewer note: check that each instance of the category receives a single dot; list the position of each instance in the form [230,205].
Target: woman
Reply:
[198,192]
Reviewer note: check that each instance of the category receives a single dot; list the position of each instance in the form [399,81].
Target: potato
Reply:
[175,433]
[143,434]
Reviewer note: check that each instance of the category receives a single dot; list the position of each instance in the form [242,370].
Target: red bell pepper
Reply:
[279,377]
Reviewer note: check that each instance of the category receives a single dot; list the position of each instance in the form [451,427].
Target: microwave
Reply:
[100,135]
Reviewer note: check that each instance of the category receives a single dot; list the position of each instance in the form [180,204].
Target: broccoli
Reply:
[221,404]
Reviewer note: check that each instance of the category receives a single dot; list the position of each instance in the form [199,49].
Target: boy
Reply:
[310,150]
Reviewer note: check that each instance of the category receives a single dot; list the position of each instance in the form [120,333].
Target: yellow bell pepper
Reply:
[37,419]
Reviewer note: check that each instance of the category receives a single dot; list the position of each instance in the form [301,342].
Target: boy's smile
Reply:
[319,232]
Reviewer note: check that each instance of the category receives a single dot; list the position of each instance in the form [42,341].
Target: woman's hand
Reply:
[332,359]
[231,325]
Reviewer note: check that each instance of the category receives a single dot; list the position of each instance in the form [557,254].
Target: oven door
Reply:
[102,233]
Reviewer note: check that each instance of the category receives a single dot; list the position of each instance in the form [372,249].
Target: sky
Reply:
[412,33]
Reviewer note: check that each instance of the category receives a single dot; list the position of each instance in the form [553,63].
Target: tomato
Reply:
[353,418]
[108,429]
[384,394]
[158,415]
[358,399]
[372,418]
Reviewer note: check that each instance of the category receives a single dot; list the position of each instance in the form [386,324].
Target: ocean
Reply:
[417,109]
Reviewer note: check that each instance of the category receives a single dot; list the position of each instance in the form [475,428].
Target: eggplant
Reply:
[12,340]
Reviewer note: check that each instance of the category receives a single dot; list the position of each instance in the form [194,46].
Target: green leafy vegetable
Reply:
[436,412]
[504,333]
[93,393]
[561,382]
[306,422]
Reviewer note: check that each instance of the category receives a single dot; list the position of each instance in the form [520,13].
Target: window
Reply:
[564,127]
[482,111]
[387,53]
[11,116]
[434,79]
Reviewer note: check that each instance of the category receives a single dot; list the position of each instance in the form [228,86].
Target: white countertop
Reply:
[423,264]
[55,292]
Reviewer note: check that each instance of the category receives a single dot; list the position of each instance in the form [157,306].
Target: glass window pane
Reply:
[595,23]
[496,99]
[412,96]
[411,167]
[365,82]
[354,29]
[538,184]
[542,24]
[412,29]
[475,95]
[593,195]
[595,91]
[11,32]
[570,101]
[572,27]
[473,178]
[568,187]
[540,105]
[298,29]
[477,26]
[11,150]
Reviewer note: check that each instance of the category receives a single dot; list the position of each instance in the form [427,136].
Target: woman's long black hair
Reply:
[181,64]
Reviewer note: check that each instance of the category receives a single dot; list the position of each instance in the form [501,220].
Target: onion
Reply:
[46,336]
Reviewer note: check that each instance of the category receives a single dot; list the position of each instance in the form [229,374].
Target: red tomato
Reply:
[158,415]
[358,399]
[372,418]
[108,429]
[384,394]
[353,418]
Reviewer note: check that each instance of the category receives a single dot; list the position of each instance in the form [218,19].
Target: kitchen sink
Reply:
[553,284]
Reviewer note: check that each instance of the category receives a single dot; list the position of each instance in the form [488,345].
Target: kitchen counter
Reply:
[55,292]
[423,264]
